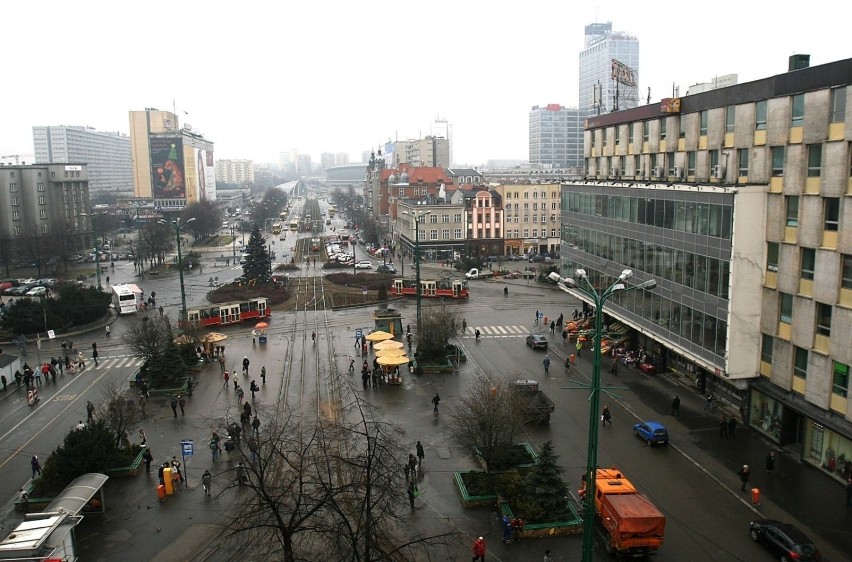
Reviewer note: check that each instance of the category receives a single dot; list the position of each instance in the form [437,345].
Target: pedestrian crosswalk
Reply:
[117,362]
[497,331]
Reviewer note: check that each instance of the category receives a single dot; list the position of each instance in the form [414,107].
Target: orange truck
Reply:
[629,524]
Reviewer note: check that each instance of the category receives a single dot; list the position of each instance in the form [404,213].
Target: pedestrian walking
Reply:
[222,363]
[547,557]
[236,383]
[107,329]
[174,404]
[253,388]
[81,360]
[36,466]
[182,403]
[535,320]
[552,327]
[412,465]
[479,550]
[226,376]
[240,394]
[745,471]
[90,411]
[420,454]
[579,346]
[732,427]
[606,416]
[206,480]
[770,462]
[507,529]
[564,337]
[255,426]
[246,364]
[161,474]
[142,437]
[436,400]
[723,428]
[546,363]
[95,356]
[4,381]
[177,475]
[676,405]
[365,375]
[242,473]
[412,493]
[148,458]
[708,401]
[215,449]
[263,370]
[614,368]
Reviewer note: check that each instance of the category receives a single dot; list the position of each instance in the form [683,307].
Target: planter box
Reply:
[530,451]
[469,500]
[131,470]
[572,526]
[422,368]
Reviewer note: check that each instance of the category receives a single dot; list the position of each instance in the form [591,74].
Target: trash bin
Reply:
[755,496]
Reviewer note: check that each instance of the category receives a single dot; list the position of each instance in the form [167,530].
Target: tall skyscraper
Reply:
[598,89]
[555,137]
[106,154]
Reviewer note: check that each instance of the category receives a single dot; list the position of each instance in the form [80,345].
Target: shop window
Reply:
[808,263]
[793,210]
[797,114]
[766,348]
[840,385]
[786,308]
[777,161]
[823,319]
[800,362]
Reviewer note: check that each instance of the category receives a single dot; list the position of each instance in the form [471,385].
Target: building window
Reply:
[433,219]
[797,117]
[631,129]
[730,118]
[433,234]
[44,228]
[846,272]
[42,200]
[792,210]
[445,234]
[535,233]
[42,213]
[526,196]
[553,233]
[663,127]
[16,230]
[823,319]
[16,215]
[646,131]
[690,163]
[53,174]
[831,212]
[13,187]
[760,115]
[682,126]
[766,348]
[457,233]
[402,192]
[772,256]
[445,218]
[840,379]
[786,300]
[808,263]
[714,159]
[742,155]
[777,153]
[703,126]
[814,160]
[14,201]
[553,206]
[800,363]
[526,233]
[838,104]
[457,217]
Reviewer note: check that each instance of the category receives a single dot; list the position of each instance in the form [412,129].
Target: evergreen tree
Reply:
[545,488]
[258,264]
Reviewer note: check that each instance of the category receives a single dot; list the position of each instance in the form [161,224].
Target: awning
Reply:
[78,494]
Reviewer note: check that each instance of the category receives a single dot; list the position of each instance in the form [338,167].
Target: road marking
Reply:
[497,331]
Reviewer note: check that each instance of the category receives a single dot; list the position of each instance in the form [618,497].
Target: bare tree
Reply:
[147,335]
[119,413]
[488,417]
[437,325]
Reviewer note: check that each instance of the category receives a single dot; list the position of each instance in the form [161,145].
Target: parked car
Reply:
[784,541]
[386,268]
[364,264]
[652,432]
[537,341]
[37,292]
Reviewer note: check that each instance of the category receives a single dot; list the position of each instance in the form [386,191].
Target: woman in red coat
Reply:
[479,549]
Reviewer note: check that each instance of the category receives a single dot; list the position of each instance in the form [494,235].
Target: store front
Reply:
[822,439]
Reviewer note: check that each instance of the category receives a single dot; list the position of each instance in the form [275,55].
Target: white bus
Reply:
[127,298]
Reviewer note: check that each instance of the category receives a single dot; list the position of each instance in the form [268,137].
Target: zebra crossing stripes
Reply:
[114,362]
[497,331]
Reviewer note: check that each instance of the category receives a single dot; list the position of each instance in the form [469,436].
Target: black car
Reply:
[537,341]
[784,541]
[386,268]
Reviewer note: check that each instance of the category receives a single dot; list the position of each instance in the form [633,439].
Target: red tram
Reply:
[431,288]
[228,313]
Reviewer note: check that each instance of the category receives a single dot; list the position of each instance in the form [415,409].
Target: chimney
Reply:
[798,62]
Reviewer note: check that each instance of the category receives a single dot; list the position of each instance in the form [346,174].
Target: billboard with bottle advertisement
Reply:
[168,180]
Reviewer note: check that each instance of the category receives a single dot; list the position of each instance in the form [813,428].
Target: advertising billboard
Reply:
[167,171]
[206,175]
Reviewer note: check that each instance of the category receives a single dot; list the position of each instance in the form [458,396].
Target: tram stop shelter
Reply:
[49,535]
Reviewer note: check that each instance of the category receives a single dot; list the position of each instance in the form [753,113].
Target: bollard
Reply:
[755,496]
[572,358]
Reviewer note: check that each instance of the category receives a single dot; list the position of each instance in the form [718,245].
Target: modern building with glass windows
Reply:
[738,201]
[556,140]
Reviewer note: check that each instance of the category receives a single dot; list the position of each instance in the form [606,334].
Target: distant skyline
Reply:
[334,76]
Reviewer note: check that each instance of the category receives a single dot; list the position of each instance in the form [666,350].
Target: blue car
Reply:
[652,432]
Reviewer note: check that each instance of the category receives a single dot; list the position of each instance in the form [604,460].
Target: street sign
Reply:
[187,446]
[358,333]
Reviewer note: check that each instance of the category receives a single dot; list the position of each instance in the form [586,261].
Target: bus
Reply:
[294,224]
[276,228]
[331,212]
[127,298]
[283,216]
[228,313]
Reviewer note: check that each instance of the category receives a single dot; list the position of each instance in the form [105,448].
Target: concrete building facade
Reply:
[532,213]
[428,152]
[45,214]
[598,91]
[106,155]
[240,172]
[738,201]
[556,140]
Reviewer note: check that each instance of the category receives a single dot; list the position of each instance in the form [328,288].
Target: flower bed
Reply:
[131,470]
[568,522]
[473,486]
[520,455]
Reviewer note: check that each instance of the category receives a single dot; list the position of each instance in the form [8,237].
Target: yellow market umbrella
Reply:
[379,336]
[185,339]
[388,344]
[402,360]
[390,353]
[214,337]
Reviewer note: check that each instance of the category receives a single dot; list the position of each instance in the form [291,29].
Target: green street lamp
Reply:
[418,217]
[569,285]
[97,248]
[176,224]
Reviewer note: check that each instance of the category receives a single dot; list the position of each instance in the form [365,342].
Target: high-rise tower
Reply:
[600,92]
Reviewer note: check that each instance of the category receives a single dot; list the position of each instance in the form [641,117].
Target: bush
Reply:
[71,305]
[369,281]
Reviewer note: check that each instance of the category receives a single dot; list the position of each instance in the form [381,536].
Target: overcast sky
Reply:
[258,78]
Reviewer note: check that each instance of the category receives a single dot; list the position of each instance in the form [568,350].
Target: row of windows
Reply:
[822,317]
[15,202]
[685,324]
[445,218]
[445,234]
[16,230]
[535,195]
[702,273]
[553,206]
[42,213]
[830,212]
[526,218]
[840,371]
[706,219]
[807,263]
[516,233]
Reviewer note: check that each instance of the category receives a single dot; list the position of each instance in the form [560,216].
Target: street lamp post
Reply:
[97,249]
[139,260]
[598,300]
[234,243]
[176,223]
[417,216]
